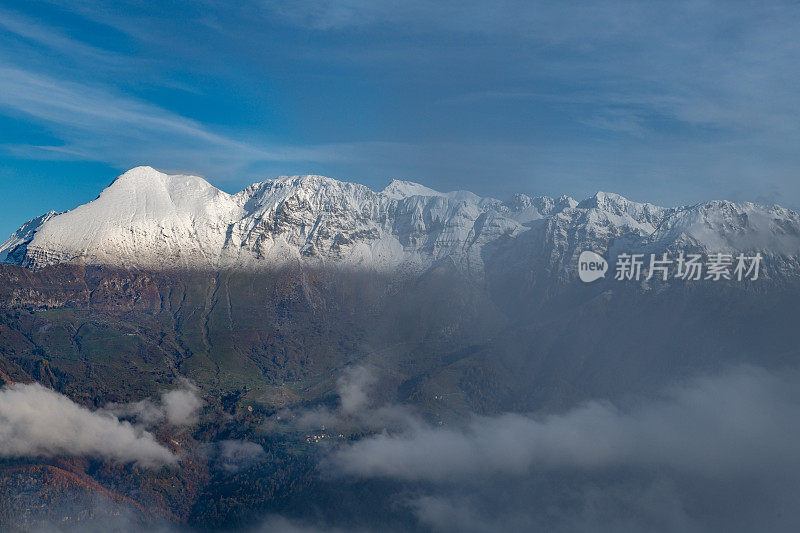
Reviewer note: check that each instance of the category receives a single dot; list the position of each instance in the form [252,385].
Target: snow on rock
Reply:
[726,226]
[399,189]
[14,248]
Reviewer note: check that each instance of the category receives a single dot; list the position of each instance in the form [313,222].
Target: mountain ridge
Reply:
[148,219]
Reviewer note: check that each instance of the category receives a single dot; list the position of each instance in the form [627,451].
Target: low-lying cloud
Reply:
[178,407]
[716,453]
[741,423]
[38,422]
[353,388]
[182,406]
[357,408]
[232,455]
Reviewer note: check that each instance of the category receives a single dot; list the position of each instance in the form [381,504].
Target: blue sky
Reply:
[668,102]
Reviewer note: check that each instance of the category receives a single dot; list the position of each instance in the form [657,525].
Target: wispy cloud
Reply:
[357,407]
[540,20]
[177,407]
[55,42]
[99,124]
[233,455]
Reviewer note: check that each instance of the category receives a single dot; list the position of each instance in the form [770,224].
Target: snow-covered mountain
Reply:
[14,248]
[149,219]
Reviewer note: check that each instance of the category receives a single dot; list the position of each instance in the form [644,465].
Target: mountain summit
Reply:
[148,219]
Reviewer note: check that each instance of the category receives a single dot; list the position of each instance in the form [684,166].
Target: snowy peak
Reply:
[565,202]
[605,200]
[143,217]
[399,189]
[610,209]
[145,193]
[619,205]
[316,192]
[539,206]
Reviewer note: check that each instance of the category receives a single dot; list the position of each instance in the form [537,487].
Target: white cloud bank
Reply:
[36,421]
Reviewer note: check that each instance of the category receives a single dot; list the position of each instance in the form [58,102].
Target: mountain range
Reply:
[150,220]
